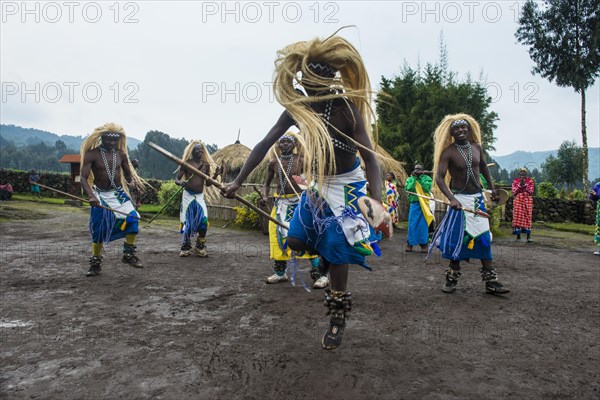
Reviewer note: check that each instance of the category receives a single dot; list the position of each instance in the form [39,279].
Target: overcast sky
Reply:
[202,69]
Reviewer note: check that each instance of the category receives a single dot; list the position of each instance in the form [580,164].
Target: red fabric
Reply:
[522,203]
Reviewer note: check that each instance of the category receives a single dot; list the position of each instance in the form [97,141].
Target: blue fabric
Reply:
[331,243]
[418,231]
[452,235]
[105,227]
[518,231]
[195,220]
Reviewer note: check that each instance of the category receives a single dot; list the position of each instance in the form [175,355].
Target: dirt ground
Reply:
[211,328]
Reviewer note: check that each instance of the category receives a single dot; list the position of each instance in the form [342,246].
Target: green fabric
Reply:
[424,180]
[484,182]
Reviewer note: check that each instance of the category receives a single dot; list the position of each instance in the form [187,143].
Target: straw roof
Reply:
[235,155]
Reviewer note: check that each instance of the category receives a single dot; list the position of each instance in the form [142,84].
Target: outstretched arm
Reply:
[258,152]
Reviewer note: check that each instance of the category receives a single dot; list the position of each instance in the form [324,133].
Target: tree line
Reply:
[42,157]
[564,41]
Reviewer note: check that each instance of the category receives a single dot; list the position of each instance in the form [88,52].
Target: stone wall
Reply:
[20,181]
[559,210]
[548,210]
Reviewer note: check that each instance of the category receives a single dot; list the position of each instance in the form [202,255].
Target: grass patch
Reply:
[569,227]
[149,208]
[8,213]
[47,200]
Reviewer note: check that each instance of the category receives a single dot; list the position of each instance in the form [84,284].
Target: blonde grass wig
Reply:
[442,138]
[211,193]
[350,83]
[94,140]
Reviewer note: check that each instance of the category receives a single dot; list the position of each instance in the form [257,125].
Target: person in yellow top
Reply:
[419,213]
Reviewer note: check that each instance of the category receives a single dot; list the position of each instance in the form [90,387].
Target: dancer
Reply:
[335,123]
[461,236]
[194,214]
[286,163]
[107,177]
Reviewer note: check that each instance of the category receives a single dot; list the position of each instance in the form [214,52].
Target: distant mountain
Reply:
[535,159]
[24,136]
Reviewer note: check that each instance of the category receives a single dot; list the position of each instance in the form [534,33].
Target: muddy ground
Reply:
[212,329]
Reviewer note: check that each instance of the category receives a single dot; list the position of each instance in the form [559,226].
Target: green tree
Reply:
[564,40]
[566,167]
[152,163]
[212,148]
[547,190]
[411,105]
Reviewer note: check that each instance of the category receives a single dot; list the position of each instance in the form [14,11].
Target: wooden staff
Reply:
[178,192]
[84,200]
[170,200]
[476,212]
[213,182]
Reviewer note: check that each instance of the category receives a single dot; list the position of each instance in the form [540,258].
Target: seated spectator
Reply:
[6,192]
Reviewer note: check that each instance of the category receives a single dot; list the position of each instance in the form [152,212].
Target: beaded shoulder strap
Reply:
[466,151]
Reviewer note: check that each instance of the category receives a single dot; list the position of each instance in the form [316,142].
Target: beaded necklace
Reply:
[282,180]
[110,172]
[466,151]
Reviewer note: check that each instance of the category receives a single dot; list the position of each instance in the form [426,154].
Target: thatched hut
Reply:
[234,157]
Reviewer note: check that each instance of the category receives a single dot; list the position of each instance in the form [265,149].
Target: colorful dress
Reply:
[193,214]
[106,225]
[283,210]
[391,200]
[462,235]
[330,221]
[522,206]
[419,213]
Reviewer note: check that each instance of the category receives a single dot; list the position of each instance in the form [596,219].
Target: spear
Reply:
[214,182]
[84,200]
[476,212]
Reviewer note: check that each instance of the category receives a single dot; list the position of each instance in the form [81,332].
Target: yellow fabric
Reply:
[285,196]
[424,203]
[130,238]
[97,249]
[275,251]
